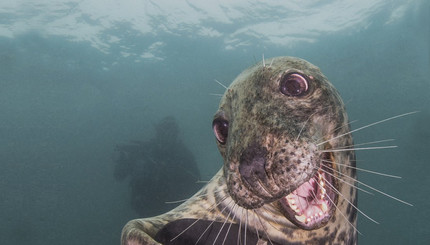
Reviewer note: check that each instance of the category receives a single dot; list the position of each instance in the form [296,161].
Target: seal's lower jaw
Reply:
[312,204]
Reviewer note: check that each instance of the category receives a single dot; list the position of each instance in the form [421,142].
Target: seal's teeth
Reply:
[324,207]
[296,209]
[301,218]
[292,203]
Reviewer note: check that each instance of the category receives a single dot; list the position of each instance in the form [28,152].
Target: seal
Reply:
[278,128]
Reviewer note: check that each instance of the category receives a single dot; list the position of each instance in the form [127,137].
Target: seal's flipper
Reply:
[204,232]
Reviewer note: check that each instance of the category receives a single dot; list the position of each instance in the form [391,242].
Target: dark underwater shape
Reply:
[161,169]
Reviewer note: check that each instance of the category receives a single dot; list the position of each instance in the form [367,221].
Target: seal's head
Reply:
[275,127]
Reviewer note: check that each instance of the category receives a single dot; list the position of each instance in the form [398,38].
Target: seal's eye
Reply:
[220,127]
[294,84]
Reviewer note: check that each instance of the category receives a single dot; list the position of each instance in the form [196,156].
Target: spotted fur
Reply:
[275,143]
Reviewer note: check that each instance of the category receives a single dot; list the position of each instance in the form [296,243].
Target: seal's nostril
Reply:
[252,164]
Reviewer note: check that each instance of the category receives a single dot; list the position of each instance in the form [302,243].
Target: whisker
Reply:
[240,228]
[264,62]
[218,95]
[373,188]
[271,62]
[360,149]
[214,206]
[228,230]
[185,230]
[202,181]
[369,125]
[264,228]
[221,84]
[256,230]
[273,220]
[177,201]
[211,178]
[331,132]
[385,194]
[355,228]
[346,182]
[367,143]
[184,200]
[300,132]
[246,225]
[207,228]
[223,224]
[365,170]
[346,199]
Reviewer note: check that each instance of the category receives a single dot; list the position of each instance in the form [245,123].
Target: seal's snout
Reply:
[252,168]
[252,163]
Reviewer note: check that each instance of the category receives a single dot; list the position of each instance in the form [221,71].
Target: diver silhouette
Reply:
[160,169]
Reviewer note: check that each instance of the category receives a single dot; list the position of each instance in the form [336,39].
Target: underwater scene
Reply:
[107,107]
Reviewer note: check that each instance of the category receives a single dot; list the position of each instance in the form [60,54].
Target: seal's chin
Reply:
[312,204]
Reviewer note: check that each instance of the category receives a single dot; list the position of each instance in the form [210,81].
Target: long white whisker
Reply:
[346,199]
[343,215]
[182,232]
[365,170]
[344,125]
[223,224]
[373,188]
[202,181]
[360,149]
[366,143]
[214,206]
[246,225]
[346,182]
[300,132]
[240,228]
[272,219]
[264,228]
[221,84]
[218,95]
[228,230]
[369,125]
[385,194]
[178,201]
[184,200]
[264,62]
[256,229]
[207,228]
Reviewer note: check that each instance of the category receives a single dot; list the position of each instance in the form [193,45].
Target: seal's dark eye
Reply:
[220,127]
[294,84]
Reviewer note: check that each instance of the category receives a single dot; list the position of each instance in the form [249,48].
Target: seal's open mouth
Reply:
[312,204]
